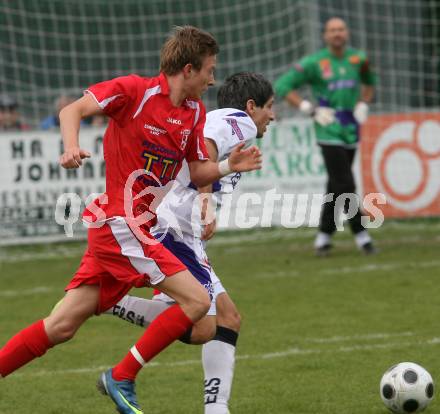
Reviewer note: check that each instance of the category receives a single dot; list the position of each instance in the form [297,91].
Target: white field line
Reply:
[346,269]
[275,232]
[259,357]
[292,246]
[262,236]
[367,337]
[26,292]
[236,244]
[375,267]
[407,225]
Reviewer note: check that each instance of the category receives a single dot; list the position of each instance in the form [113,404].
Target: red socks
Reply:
[30,343]
[165,329]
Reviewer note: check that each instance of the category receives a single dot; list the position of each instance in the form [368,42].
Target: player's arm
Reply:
[204,172]
[207,210]
[287,84]
[367,93]
[297,101]
[368,80]
[70,119]
[294,99]
[286,87]
[322,115]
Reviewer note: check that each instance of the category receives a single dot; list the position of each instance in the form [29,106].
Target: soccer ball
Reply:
[406,388]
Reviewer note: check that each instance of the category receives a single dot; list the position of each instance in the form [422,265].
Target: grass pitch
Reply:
[317,334]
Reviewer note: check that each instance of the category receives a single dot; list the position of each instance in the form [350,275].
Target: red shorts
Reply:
[117,260]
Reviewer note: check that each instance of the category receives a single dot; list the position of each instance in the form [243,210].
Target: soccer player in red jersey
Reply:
[155,123]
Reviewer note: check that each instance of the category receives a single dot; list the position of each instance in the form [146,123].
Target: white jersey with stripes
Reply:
[180,209]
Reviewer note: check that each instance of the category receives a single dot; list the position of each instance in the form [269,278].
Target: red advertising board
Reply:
[400,158]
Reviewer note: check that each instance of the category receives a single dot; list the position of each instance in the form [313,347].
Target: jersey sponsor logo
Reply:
[354,60]
[156,148]
[155,130]
[235,128]
[326,68]
[342,84]
[174,121]
[167,165]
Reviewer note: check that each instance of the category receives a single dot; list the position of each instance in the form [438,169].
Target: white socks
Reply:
[218,363]
[362,238]
[322,239]
[136,310]
[218,355]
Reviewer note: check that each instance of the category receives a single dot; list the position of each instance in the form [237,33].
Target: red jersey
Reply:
[146,134]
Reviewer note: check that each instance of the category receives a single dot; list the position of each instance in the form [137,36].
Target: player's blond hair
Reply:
[187,44]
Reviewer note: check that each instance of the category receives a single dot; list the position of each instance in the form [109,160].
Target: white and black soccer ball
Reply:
[406,388]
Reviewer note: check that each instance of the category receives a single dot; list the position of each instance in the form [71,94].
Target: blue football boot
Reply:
[122,393]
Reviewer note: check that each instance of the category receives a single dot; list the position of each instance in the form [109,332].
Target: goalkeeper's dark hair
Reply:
[240,87]
[324,27]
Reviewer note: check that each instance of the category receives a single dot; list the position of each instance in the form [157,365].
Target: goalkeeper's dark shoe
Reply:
[369,249]
[122,393]
[324,250]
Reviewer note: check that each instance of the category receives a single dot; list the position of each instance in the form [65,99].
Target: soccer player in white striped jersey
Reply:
[245,109]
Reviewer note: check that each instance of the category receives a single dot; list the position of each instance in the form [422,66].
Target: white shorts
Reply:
[191,252]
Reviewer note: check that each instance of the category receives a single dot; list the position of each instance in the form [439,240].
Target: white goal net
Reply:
[54,48]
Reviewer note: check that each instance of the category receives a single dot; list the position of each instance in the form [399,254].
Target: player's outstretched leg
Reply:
[30,343]
[218,354]
[192,304]
[35,340]
[139,311]
[218,357]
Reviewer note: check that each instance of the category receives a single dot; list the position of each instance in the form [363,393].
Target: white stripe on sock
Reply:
[137,355]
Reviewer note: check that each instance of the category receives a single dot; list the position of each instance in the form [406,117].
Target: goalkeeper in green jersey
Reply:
[342,83]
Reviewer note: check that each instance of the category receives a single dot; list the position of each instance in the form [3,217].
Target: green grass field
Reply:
[317,333]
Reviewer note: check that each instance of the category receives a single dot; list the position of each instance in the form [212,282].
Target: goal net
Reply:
[54,47]
[51,48]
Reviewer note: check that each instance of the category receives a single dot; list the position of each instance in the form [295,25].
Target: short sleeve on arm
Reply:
[230,130]
[195,148]
[217,132]
[117,97]
[368,77]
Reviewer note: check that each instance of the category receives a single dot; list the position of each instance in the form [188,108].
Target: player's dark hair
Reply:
[240,87]
[187,44]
